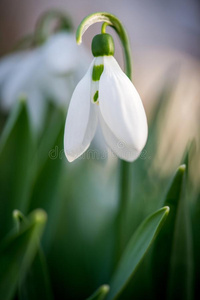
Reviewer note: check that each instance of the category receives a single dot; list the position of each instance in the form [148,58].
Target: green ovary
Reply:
[103,44]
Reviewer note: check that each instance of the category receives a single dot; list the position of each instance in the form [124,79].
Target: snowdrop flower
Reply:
[21,79]
[50,71]
[106,95]
[64,66]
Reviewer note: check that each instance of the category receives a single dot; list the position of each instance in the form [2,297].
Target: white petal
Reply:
[61,53]
[99,145]
[24,75]
[7,64]
[119,147]
[81,119]
[121,107]
[58,89]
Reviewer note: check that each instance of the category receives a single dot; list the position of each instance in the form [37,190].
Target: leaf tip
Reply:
[23,98]
[16,213]
[40,216]
[100,293]
[78,37]
[79,41]
[182,168]
[105,288]
[167,209]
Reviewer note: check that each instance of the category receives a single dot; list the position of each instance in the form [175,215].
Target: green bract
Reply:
[103,44]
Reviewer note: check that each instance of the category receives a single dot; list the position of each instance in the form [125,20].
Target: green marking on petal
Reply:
[96,72]
[96,96]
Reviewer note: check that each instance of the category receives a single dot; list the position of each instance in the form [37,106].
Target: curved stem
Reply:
[43,30]
[103,27]
[113,21]
[25,43]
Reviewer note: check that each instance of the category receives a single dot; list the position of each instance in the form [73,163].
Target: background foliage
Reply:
[58,220]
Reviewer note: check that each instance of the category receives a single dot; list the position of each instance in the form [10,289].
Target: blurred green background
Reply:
[79,201]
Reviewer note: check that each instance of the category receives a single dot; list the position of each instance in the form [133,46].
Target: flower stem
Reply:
[43,29]
[114,22]
[124,195]
[125,182]
[103,28]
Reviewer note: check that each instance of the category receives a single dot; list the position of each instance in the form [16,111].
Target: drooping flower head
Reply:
[44,71]
[105,95]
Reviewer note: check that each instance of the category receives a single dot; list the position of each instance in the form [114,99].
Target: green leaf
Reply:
[196,244]
[48,177]
[136,250]
[54,121]
[46,189]
[19,219]
[35,284]
[180,284]
[163,244]
[174,193]
[100,293]
[189,152]
[16,152]
[17,252]
[172,249]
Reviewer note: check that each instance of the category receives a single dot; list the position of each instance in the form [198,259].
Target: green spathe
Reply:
[103,44]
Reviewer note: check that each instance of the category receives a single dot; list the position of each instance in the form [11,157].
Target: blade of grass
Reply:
[136,250]
[17,252]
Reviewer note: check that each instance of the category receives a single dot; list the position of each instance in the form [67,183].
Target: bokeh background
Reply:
[81,198]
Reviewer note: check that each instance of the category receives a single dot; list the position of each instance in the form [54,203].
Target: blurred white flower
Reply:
[50,71]
[106,94]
